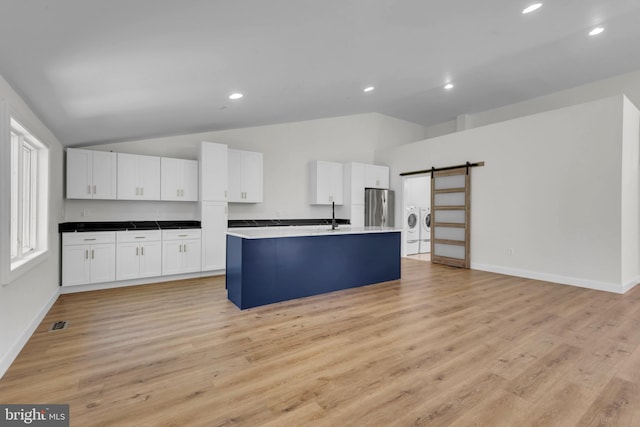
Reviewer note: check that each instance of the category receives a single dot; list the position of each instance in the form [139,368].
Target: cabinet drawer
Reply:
[138,236]
[181,234]
[88,238]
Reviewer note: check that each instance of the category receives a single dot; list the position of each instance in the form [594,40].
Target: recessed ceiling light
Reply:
[531,8]
[448,86]
[236,95]
[369,88]
[596,31]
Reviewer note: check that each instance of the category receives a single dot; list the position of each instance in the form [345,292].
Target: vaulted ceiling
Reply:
[97,70]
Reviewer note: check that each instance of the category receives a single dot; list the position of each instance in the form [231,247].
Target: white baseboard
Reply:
[631,284]
[135,282]
[563,280]
[19,344]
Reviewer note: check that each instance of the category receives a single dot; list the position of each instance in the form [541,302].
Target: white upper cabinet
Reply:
[91,174]
[376,176]
[325,183]
[245,176]
[213,172]
[179,179]
[138,177]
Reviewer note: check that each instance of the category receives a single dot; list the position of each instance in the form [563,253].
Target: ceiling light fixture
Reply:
[236,95]
[596,31]
[448,86]
[531,8]
[369,88]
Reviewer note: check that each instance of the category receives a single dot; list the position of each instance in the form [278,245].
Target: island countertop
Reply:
[278,232]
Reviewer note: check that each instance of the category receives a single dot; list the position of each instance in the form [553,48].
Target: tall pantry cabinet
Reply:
[213,205]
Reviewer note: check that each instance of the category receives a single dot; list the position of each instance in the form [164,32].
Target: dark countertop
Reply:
[67,227]
[237,223]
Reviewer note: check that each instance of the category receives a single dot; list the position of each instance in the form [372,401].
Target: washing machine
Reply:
[412,230]
[425,231]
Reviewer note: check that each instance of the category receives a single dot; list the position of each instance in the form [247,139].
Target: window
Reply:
[29,196]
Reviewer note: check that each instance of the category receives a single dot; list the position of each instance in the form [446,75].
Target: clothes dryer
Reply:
[425,231]
[412,230]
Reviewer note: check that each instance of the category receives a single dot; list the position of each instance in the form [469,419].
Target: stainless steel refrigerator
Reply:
[378,207]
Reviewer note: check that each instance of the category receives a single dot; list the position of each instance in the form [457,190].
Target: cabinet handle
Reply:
[137,192]
[87,240]
[89,189]
[142,251]
[142,191]
[180,248]
[185,247]
[94,189]
[183,235]
[136,251]
[139,237]
[177,193]
[86,254]
[92,254]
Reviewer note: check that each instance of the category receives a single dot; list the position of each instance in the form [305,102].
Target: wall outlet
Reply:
[510,252]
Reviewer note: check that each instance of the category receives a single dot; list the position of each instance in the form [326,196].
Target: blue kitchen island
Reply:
[265,266]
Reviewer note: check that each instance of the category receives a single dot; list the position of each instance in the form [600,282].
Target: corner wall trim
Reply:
[18,345]
[562,280]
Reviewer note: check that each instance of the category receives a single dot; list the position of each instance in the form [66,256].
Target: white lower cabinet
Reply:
[108,256]
[139,254]
[88,258]
[181,251]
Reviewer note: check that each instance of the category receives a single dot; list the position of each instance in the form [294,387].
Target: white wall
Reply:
[550,190]
[287,149]
[417,192]
[630,194]
[629,84]
[25,301]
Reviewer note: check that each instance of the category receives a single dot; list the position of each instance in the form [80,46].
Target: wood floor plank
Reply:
[442,346]
[565,405]
[498,409]
[617,405]
[534,382]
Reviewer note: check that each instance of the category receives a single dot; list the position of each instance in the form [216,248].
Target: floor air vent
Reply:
[58,325]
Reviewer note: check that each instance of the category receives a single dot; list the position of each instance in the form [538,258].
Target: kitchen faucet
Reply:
[334,226]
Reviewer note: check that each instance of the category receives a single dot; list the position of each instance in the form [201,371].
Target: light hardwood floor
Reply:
[441,347]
